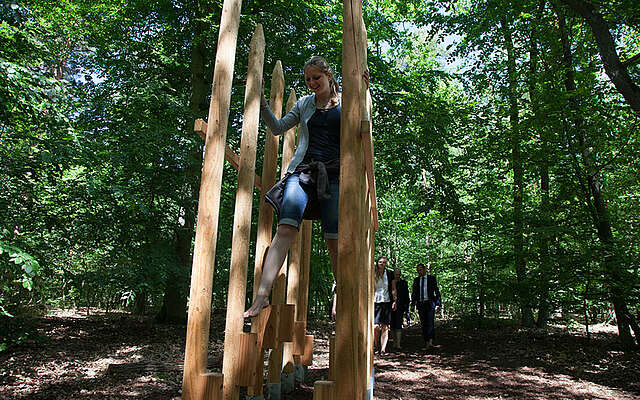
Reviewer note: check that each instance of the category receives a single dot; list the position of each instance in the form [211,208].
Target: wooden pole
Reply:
[350,372]
[197,340]
[370,224]
[293,287]
[279,287]
[242,221]
[372,227]
[265,213]
[303,291]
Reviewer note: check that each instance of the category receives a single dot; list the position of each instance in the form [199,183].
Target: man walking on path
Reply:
[402,306]
[425,295]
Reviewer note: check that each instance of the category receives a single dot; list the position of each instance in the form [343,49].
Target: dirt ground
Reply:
[124,357]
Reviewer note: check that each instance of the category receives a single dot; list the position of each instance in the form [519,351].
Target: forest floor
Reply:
[118,356]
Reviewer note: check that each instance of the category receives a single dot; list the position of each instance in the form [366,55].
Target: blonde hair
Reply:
[377,274]
[321,64]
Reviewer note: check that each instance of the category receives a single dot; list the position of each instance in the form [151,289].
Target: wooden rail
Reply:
[200,127]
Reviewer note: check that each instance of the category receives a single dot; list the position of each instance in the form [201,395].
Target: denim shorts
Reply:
[295,200]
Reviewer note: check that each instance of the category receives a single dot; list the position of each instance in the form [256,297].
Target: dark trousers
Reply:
[426,312]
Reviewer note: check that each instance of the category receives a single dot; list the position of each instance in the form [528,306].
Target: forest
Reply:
[505,134]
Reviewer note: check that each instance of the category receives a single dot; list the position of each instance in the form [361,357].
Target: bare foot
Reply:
[259,303]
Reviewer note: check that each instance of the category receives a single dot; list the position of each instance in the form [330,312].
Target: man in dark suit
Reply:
[402,306]
[425,295]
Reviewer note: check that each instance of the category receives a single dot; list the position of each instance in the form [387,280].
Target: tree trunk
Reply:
[594,195]
[174,305]
[481,292]
[543,276]
[516,165]
[615,69]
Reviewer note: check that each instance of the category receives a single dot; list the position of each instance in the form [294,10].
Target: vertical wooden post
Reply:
[279,287]
[265,213]
[370,221]
[195,362]
[324,390]
[350,372]
[303,291]
[305,267]
[293,288]
[269,166]
[242,220]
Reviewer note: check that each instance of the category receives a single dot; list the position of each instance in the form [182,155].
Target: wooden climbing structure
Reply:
[281,327]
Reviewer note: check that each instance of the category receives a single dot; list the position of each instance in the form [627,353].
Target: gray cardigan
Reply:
[300,113]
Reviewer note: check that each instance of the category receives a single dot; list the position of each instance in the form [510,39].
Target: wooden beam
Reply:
[279,291]
[350,371]
[293,288]
[200,127]
[265,211]
[208,207]
[233,365]
[324,390]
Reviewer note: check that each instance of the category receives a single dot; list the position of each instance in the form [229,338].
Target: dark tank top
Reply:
[324,135]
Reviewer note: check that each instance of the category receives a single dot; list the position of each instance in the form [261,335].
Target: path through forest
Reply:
[124,357]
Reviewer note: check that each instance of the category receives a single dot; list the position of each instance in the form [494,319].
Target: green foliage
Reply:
[100,167]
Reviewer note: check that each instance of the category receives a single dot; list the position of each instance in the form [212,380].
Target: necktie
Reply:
[426,288]
[421,289]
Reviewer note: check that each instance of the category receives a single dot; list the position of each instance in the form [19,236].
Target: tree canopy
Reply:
[505,139]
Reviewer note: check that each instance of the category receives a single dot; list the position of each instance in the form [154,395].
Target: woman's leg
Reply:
[384,338]
[376,336]
[272,263]
[330,224]
[293,204]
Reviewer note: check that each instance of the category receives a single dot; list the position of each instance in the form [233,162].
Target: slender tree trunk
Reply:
[615,69]
[543,171]
[516,165]
[174,304]
[481,292]
[595,197]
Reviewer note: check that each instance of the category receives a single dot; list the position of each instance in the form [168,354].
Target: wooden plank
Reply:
[265,211]
[208,206]
[233,358]
[307,355]
[200,127]
[270,338]
[212,385]
[324,390]
[245,372]
[298,337]
[286,323]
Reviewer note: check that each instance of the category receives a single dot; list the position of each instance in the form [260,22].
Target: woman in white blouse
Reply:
[384,298]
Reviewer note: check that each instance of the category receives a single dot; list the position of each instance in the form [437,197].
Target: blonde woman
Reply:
[384,298]
[311,185]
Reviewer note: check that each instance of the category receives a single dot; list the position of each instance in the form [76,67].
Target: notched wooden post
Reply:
[240,349]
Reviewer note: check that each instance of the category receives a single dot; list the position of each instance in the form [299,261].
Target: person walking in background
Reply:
[384,302]
[402,306]
[425,296]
